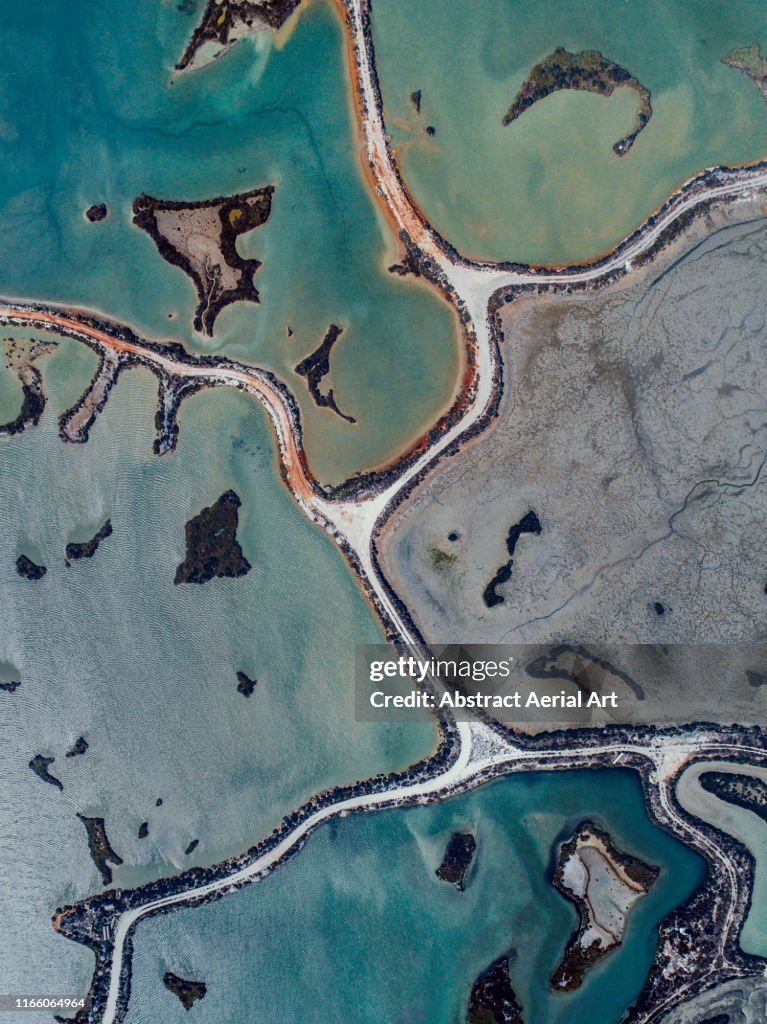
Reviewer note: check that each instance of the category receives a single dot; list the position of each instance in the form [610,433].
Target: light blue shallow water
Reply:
[110,649]
[357,928]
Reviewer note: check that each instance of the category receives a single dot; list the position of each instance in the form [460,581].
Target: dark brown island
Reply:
[96,212]
[28,569]
[456,862]
[223,24]
[88,548]
[316,366]
[200,238]
[529,523]
[78,747]
[187,991]
[212,549]
[245,685]
[743,790]
[587,71]
[492,999]
[39,766]
[749,60]
[99,847]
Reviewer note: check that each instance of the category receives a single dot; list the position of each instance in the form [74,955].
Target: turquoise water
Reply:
[548,188]
[110,649]
[357,928]
[90,111]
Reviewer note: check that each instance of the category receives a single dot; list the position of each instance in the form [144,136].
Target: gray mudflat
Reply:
[634,425]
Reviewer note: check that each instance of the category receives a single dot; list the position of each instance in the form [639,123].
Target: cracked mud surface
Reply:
[635,424]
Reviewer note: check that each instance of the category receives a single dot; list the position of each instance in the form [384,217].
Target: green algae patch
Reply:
[442,559]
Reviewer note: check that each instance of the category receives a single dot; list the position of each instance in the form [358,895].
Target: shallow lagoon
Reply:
[357,928]
[548,188]
[110,649]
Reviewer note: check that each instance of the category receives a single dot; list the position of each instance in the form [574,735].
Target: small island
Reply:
[746,791]
[187,991]
[456,862]
[245,685]
[200,238]
[143,830]
[28,569]
[222,25]
[191,846]
[492,999]
[604,884]
[96,212]
[88,548]
[78,747]
[587,71]
[316,366]
[749,60]
[39,765]
[212,549]
[11,686]
[99,846]
[529,523]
